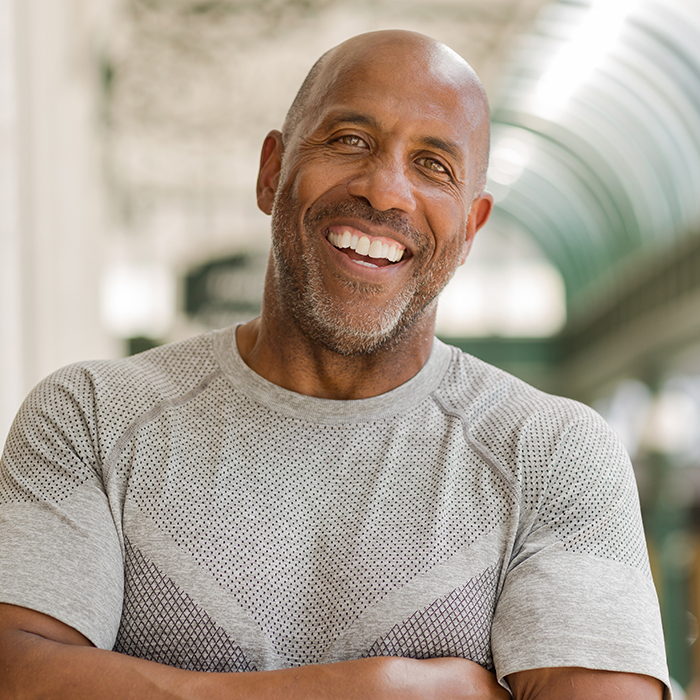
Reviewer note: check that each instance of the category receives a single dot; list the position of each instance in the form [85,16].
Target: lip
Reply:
[352,267]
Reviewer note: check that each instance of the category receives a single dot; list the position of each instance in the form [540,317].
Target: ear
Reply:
[269,171]
[478,216]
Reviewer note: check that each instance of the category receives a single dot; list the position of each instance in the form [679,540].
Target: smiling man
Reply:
[380,194]
[328,502]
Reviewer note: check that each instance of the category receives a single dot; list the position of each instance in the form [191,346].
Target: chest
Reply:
[317,545]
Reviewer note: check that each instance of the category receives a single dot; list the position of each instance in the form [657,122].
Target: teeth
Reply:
[375,250]
[363,246]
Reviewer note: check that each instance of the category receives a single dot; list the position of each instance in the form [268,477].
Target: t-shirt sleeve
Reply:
[579,591]
[60,553]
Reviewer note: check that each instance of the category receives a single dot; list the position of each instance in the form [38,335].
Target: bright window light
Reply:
[627,412]
[575,62]
[523,299]
[137,299]
[673,423]
[508,160]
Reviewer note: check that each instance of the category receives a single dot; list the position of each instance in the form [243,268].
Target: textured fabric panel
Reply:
[70,422]
[458,625]
[162,623]
[52,447]
[574,479]
[315,523]
[594,506]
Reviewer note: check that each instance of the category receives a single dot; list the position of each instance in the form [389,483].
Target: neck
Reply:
[280,352]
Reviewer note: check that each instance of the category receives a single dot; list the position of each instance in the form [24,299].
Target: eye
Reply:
[433,165]
[352,140]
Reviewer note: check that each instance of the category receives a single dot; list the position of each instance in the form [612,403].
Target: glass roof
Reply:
[596,144]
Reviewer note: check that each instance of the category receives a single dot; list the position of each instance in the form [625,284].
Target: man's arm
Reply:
[41,657]
[583,684]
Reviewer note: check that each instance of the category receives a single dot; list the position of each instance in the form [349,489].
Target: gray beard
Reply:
[367,334]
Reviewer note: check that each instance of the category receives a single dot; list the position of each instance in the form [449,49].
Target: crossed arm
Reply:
[41,657]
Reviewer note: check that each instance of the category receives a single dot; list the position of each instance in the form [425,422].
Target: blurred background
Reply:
[129,141]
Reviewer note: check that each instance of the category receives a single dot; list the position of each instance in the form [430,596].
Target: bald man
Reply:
[328,502]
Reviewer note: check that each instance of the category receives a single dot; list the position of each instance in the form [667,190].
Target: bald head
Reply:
[392,51]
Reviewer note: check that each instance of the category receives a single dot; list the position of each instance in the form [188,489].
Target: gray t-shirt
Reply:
[178,507]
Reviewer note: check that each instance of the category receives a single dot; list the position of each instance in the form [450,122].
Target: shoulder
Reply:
[489,396]
[517,424]
[166,370]
[102,398]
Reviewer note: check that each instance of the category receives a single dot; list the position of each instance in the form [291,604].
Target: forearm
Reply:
[38,668]
[34,667]
[583,684]
[41,657]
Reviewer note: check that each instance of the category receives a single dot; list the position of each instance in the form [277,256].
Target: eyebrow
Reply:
[449,147]
[347,117]
[351,118]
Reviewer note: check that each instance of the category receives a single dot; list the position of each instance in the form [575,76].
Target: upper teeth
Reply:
[362,245]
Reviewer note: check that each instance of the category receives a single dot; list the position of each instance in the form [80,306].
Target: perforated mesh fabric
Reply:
[456,625]
[162,623]
[65,430]
[574,478]
[54,429]
[315,523]
[313,515]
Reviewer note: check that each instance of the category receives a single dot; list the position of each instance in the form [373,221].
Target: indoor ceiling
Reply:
[601,105]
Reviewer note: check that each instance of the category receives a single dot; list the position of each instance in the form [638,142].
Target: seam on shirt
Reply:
[554,463]
[152,414]
[479,447]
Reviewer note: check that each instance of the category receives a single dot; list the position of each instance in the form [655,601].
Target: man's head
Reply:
[376,189]
[312,90]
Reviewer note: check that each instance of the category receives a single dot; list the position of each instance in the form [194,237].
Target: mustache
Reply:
[358,209]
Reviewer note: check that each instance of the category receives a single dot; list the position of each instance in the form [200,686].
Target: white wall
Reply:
[52,217]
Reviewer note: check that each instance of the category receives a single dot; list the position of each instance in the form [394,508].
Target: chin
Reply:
[356,334]
[353,342]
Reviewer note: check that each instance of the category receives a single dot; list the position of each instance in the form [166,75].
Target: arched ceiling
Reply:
[611,172]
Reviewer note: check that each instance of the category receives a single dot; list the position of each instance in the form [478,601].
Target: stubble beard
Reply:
[299,284]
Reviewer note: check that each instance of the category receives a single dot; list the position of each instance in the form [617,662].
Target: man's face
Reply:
[370,217]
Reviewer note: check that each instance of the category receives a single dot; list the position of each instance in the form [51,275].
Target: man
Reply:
[328,500]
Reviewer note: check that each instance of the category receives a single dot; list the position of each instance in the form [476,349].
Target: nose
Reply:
[384,184]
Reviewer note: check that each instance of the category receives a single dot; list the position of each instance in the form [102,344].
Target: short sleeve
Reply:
[60,553]
[579,591]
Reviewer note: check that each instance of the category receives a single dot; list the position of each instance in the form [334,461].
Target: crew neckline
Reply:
[328,411]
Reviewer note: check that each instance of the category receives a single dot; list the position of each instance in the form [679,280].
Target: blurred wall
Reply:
[52,208]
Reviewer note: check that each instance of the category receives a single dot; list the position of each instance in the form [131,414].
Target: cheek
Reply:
[313,176]
[447,220]
[295,194]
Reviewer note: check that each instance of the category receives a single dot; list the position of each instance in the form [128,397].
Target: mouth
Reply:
[363,249]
